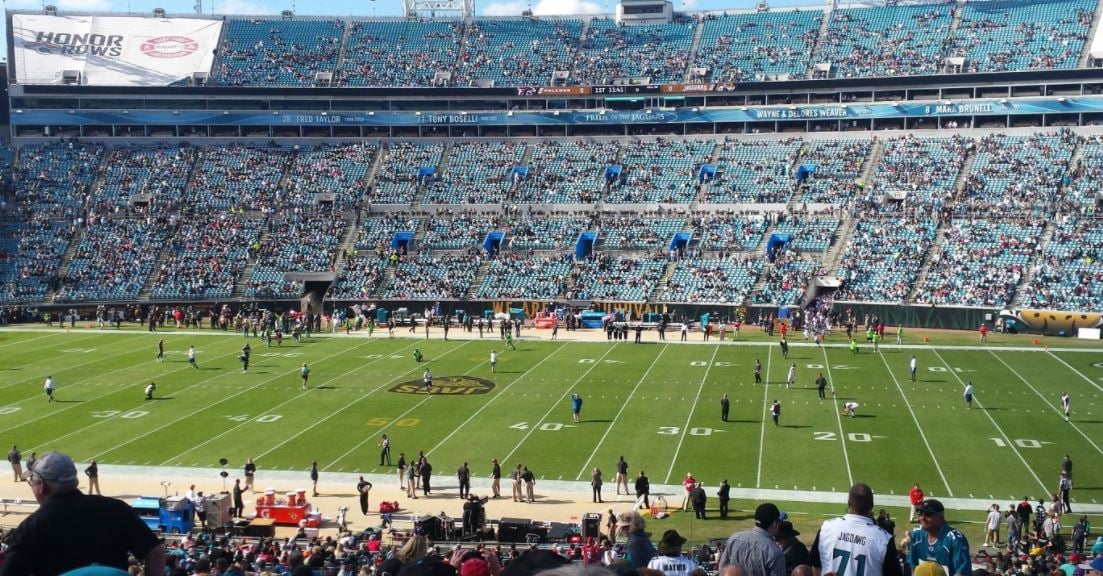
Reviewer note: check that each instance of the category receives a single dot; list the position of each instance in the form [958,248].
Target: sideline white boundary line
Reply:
[1006,438]
[765,407]
[838,417]
[915,419]
[1048,403]
[621,411]
[555,404]
[689,417]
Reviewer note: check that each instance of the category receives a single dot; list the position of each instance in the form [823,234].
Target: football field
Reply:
[656,404]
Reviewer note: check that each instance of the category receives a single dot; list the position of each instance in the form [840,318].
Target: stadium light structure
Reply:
[443,9]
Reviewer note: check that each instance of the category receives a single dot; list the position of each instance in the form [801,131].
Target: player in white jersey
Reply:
[670,560]
[791,378]
[1065,401]
[854,545]
[850,409]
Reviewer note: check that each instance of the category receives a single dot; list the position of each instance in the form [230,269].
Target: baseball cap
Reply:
[928,568]
[931,506]
[766,514]
[785,528]
[1075,558]
[672,542]
[56,467]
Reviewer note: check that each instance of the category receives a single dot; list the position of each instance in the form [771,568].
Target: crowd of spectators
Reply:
[476,173]
[883,258]
[712,280]
[240,177]
[295,240]
[1016,174]
[1081,196]
[160,172]
[450,230]
[659,52]
[1007,35]
[30,254]
[757,47]
[1069,273]
[807,233]
[660,170]
[399,176]
[407,52]
[838,164]
[526,52]
[55,180]
[616,278]
[525,276]
[754,172]
[924,169]
[902,40]
[728,232]
[206,257]
[113,259]
[981,263]
[440,276]
[567,172]
[260,52]
[626,231]
[330,169]
[360,277]
[530,231]
[787,279]
[377,232]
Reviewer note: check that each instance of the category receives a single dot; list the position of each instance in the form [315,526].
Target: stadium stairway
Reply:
[934,255]
[963,175]
[345,33]
[872,161]
[1035,263]
[835,251]
[703,189]
[480,275]
[442,169]
[163,257]
[348,243]
[698,30]
[63,266]
[1085,58]
[825,23]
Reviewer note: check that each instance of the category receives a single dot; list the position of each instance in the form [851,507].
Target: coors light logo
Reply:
[168,47]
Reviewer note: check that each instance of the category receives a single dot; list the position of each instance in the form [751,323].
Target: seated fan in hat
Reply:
[670,560]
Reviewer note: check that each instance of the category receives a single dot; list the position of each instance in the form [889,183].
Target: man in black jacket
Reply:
[643,488]
[725,495]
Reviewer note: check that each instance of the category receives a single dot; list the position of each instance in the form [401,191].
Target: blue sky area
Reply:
[365,7]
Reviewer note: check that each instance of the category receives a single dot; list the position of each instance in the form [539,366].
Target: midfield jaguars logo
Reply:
[447,385]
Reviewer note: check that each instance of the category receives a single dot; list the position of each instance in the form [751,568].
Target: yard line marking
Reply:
[838,416]
[123,389]
[1055,409]
[556,403]
[1006,439]
[495,397]
[289,400]
[193,413]
[350,404]
[1078,373]
[96,360]
[690,415]
[28,340]
[621,411]
[915,419]
[765,406]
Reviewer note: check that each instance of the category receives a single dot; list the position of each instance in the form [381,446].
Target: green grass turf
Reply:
[656,404]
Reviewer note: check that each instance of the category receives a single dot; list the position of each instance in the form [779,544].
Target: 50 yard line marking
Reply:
[555,404]
[838,417]
[916,420]
[1007,440]
[765,407]
[1055,409]
[689,417]
[619,412]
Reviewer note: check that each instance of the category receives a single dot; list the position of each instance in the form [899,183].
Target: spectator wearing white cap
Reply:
[68,516]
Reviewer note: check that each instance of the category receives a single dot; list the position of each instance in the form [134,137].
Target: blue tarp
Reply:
[402,240]
[493,242]
[591,319]
[806,170]
[707,172]
[681,240]
[776,243]
[585,245]
[612,172]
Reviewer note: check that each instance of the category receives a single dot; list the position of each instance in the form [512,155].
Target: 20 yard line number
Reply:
[853,436]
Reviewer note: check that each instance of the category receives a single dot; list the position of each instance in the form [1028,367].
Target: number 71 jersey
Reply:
[854,545]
